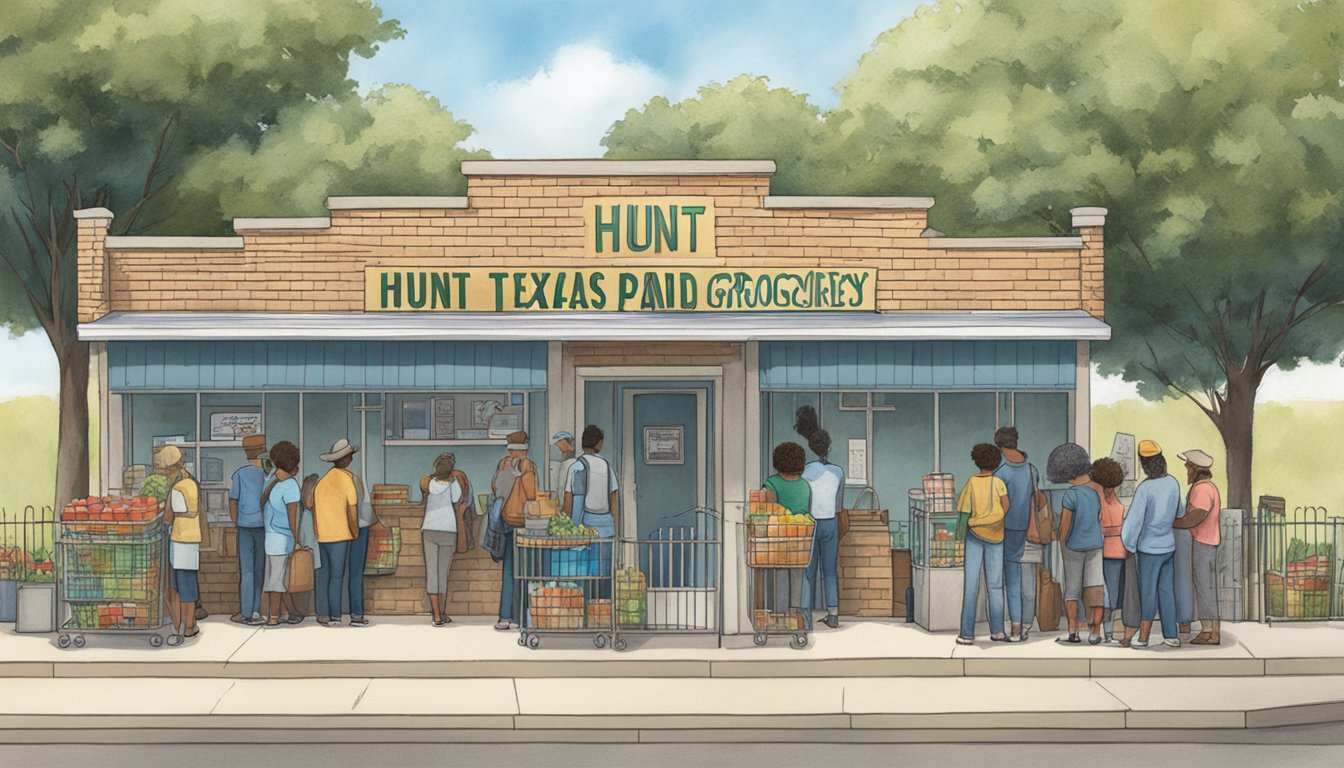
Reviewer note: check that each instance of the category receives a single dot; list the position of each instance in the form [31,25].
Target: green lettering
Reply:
[499,277]
[441,297]
[715,292]
[653,293]
[416,298]
[632,227]
[690,292]
[613,227]
[626,290]
[595,285]
[559,299]
[461,278]
[578,299]
[393,288]
[691,212]
[539,280]
[665,229]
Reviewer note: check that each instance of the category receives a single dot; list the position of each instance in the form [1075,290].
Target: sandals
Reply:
[358,621]
[1071,639]
[999,638]
[1206,638]
[273,623]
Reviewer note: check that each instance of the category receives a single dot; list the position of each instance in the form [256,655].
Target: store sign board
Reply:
[659,227]
[619,289]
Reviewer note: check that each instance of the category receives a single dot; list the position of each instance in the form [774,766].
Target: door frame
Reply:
[713,374]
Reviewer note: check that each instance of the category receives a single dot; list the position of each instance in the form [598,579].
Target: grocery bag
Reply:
[299,572]
[1049,602]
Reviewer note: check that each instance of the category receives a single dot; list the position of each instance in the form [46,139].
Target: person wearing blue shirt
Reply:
[280,510]
[1147,531]
[245,489]
[827,484]
[1020,557]
[1080,531]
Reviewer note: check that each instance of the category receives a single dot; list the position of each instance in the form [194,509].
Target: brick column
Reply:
[91,262]
[1090,225]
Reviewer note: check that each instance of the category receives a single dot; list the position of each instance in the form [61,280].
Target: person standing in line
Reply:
[446,492]
[336,519]
[827,483]
[1117,568]
[514,484]
[280,506]
[592,496]
[245,488]
[1080,531]
[559,478]
[1020,557]
[983,504]
[1147,532]
[1203,510]
[182,515]
[788,489]
[359,553]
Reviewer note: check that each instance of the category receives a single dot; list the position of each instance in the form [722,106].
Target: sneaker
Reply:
[965,640]
[238,618]
[292,619]
[1094,639]
[831,620]
[358,621]
[1137,643]
[255,621]
[1172,642]
[502,625]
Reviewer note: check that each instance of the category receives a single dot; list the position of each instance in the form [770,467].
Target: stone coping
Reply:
[595,167]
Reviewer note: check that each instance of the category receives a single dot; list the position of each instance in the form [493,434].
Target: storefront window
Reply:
[454,416]
[964,419]
[847,423]
[155,419]
[902,447]
[282,418]
[327,417]
[781,407]
[227,417]
[1042,421]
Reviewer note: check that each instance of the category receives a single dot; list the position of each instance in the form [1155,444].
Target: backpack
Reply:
[577,514]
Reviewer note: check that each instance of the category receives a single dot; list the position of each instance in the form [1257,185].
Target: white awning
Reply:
[596,326]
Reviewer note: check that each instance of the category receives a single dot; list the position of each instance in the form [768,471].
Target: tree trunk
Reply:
[72,451]
[1236,425]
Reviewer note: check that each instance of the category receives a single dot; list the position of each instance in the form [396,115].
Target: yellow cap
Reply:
[1149,448]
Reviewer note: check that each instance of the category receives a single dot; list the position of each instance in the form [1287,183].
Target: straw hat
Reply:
[339,450]
[167,456]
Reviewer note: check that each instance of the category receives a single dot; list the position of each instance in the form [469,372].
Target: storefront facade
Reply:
[676,304]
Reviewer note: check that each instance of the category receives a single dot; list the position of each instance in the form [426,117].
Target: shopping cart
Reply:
[112,577]
[777,558]
[562,589]
[668,582]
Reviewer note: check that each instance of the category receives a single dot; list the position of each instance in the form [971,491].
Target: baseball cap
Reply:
[1197,457]
[558,436]
[1149,448]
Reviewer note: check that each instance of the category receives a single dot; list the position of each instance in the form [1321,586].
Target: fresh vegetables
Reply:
[155,486]
[564,526]
[111,509]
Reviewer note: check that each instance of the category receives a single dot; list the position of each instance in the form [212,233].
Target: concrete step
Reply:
[576,709]
[406,647]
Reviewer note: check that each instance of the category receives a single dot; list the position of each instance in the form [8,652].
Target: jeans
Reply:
[605,523]
[825,553]
[251,569]
[1184,576]
[359,552]
[508,608]
[1019,579]
[334,556]
[1157,593]
[987,557]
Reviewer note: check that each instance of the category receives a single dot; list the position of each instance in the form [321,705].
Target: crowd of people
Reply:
[1122,566]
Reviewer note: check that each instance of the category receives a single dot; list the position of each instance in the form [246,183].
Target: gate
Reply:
[1295,564]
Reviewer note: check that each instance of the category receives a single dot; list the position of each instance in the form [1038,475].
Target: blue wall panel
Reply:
[330,365]
[918,365]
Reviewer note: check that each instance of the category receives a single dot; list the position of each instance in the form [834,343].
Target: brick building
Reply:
[677,304]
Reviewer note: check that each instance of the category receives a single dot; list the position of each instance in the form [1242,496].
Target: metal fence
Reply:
[27,544]
[1294,563]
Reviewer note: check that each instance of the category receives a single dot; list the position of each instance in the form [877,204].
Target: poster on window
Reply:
[234,426]
[445,418]
[857,473]
[664,445]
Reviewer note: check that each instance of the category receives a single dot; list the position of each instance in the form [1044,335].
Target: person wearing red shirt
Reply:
[1203,507]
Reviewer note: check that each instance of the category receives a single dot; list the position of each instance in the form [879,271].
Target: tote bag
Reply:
[299,572]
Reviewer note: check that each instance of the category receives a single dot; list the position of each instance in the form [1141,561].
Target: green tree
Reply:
[1214,133]
[132,105]
[743,118]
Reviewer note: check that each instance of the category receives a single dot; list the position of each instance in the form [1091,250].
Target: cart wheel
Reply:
[156,640]
[798,642]
[522,639]
[758,639]
[599,640]
[79,641]
[619,644]
[534,641]
[63,641]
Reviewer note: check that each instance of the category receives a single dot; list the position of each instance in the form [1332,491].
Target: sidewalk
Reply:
[410,647]
[867,681]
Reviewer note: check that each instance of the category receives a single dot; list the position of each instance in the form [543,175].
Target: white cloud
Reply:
[30,366]
[565,108]
[1108,390]
[1311,381]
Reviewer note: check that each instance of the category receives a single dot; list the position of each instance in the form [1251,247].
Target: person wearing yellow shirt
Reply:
[983,504]
[182,515]
[336,520]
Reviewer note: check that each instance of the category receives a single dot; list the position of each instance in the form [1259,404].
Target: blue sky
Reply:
[583,63]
